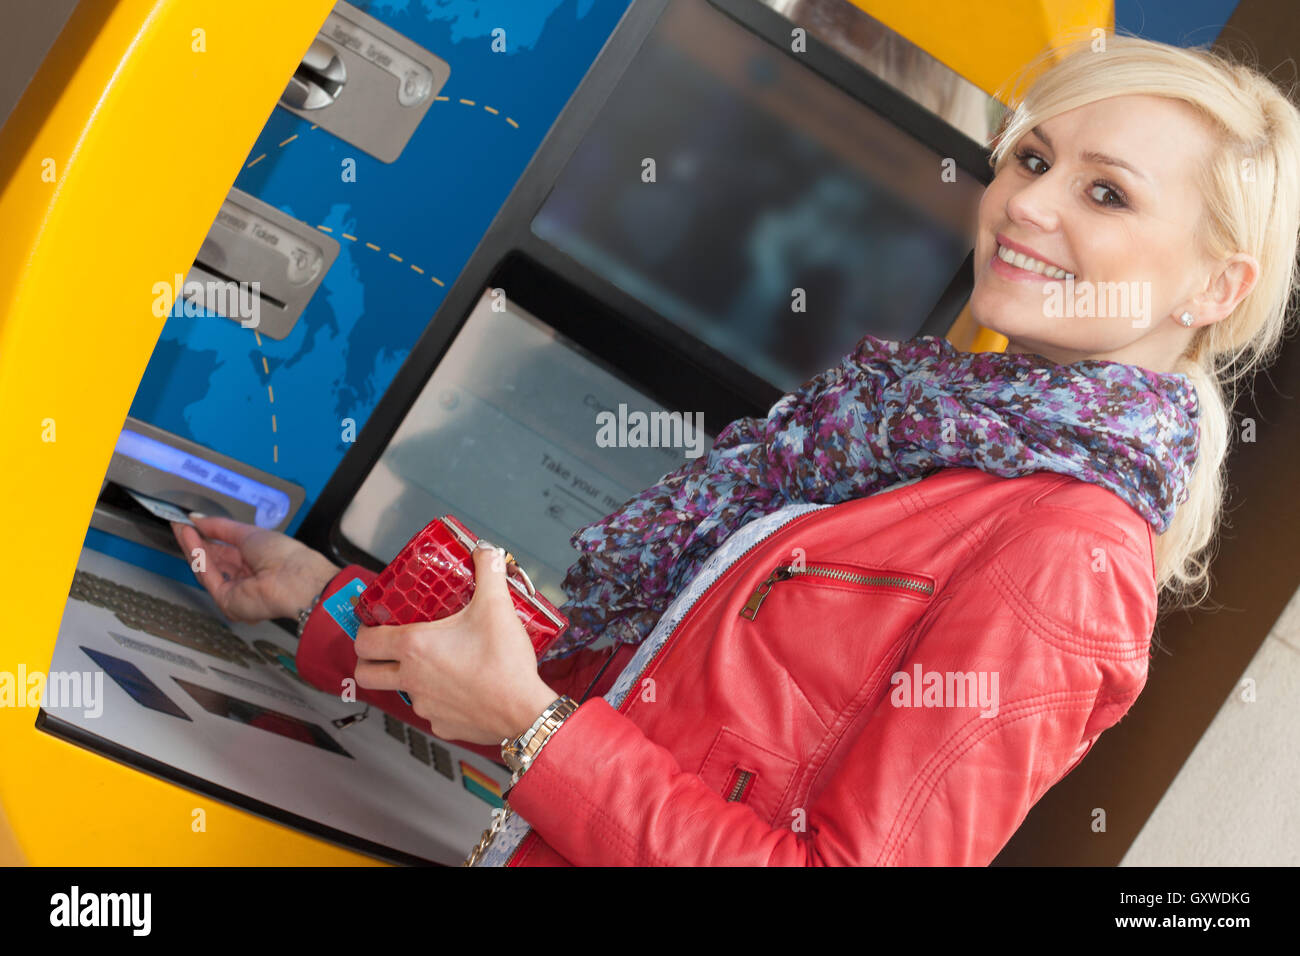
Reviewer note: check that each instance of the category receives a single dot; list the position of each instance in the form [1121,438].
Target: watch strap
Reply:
[520,752]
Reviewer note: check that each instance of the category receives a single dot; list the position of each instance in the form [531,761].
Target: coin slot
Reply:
[319,79]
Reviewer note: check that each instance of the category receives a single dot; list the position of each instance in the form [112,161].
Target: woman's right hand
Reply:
[252,573]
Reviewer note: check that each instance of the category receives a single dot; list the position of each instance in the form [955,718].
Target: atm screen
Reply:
[525,437]
[722,175]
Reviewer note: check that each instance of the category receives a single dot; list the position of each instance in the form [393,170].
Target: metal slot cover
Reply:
[365,83]
[252,241]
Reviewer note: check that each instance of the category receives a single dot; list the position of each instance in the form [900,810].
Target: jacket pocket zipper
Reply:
[739,784]
[786,572]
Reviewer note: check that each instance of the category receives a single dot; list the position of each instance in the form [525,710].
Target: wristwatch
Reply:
[520,752]
[519,755]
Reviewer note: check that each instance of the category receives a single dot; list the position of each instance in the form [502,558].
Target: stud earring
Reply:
[1186,318]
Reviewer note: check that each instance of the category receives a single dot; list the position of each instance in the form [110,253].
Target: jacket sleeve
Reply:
[326,657]
[905,785]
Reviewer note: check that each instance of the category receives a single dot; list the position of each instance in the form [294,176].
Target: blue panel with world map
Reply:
[406,230]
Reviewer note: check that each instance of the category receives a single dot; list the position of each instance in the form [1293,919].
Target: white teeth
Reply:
[1029,264]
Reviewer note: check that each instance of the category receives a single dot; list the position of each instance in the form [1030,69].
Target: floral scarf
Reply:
[889,411]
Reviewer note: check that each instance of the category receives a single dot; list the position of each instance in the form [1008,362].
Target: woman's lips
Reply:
[1015,253]
[1015,273]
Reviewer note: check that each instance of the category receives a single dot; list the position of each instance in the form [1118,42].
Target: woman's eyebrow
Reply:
[1093,156]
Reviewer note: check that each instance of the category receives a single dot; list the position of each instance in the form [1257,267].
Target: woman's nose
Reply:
[1037,202]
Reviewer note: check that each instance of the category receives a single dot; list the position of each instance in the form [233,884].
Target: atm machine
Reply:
[450,245]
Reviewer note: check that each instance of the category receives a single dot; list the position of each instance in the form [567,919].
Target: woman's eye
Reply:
[1117,200]
[1027,158]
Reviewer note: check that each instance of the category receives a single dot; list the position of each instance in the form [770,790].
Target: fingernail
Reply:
[197,514]
[484,544]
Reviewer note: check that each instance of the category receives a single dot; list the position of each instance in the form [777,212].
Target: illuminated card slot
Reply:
[153,473]
[270,505]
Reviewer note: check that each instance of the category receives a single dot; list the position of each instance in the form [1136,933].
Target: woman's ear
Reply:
[1234,280]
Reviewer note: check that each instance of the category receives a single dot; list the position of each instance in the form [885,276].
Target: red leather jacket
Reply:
[789,735]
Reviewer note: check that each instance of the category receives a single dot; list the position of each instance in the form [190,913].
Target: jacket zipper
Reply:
[740,785]
[786,572]
[627,698]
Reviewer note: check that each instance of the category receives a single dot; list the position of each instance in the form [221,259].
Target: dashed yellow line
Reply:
[491,109]
[392,255]
[270,393]
[266,368]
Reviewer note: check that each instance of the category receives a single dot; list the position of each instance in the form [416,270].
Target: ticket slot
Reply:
[265,297]
[259,266]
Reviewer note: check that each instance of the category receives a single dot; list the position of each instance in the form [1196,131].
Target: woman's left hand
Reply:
[473,675]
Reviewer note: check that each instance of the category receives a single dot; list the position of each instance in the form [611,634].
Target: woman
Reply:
[875,627]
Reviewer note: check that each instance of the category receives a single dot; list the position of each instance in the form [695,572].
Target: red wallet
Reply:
[432,577]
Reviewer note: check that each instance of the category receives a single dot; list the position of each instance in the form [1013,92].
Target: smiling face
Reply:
[1064,199]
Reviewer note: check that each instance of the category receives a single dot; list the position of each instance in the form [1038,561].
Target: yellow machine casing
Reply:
[112,174]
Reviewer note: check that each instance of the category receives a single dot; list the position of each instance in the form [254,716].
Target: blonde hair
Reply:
[1251,188]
